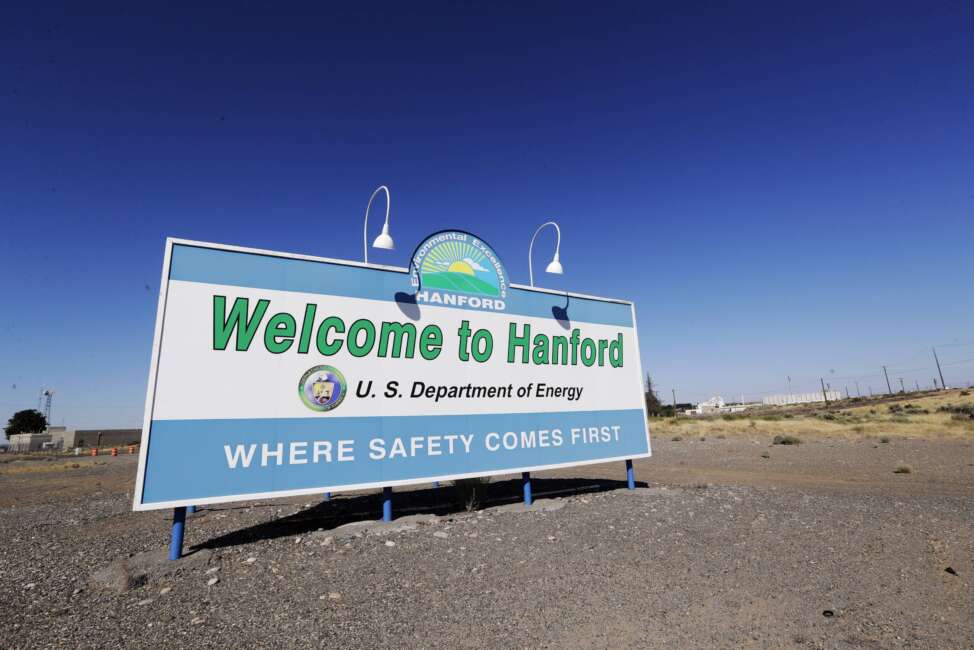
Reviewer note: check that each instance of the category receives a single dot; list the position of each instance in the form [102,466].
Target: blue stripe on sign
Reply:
[189,459]
[197,264]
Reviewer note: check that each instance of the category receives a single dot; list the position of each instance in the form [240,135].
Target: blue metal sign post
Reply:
[526,483]
[630,475]
[387,504]
[176,542]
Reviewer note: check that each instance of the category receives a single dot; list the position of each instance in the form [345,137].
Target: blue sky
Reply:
[784,191]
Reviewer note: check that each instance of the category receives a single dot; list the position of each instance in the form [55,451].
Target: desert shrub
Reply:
[960,417]
[901,419]
[872,411]
[884,440]
[703,439]
[963,409]
[721,436]
[965,393]
[909,409]
[470,492]
[765,454]
[786,440]
[903,468]
[676,438]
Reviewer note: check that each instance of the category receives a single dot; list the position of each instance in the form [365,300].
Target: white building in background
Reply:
[714,405]
[802,398]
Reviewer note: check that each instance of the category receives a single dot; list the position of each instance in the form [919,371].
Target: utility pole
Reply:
[858,393]
[939,371]
[870,391]
[902,387]
[888,387]
[674,399]
[847,391]
[935,387]
[916,383]
[824,394]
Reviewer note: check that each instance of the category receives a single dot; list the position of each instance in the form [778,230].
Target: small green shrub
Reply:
[786,440]
[470,491]
[884,440]
[676,438]
[965,393]
[903,468]
[765,454]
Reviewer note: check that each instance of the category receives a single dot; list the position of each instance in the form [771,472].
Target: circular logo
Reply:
[322,388]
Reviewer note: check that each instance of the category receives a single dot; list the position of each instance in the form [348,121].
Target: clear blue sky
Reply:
[782,190]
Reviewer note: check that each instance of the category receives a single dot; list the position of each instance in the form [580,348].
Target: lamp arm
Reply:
[531,247]
[365,227]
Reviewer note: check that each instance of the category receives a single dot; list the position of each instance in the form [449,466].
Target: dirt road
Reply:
[817,545]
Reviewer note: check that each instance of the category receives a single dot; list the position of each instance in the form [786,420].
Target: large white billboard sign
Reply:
[276,374]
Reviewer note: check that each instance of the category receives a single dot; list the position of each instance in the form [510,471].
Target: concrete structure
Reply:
[21,442]
[801,398]
[64,438]
[105,437]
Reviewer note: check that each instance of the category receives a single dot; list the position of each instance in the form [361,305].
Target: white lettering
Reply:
[265,453]
[299,453]
[239,455]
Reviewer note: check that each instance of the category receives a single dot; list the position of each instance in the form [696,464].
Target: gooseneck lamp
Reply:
[555,265]
[384,240]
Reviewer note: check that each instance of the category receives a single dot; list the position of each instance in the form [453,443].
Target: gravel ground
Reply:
[819,545]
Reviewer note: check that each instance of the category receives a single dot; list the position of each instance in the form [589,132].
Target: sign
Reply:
[277,375]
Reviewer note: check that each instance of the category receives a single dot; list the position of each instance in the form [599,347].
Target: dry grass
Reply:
[35,468]
[880,418]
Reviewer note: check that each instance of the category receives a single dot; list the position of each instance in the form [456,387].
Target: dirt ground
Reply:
[816,545]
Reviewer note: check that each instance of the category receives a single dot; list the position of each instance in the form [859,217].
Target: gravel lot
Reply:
[819,545]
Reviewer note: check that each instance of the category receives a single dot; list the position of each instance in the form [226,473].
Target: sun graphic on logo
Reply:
[459,266]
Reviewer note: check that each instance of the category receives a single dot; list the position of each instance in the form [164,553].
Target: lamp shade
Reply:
[384,240]
[555,267]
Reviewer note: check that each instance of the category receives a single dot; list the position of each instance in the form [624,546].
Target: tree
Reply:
[653,406]
[26,421]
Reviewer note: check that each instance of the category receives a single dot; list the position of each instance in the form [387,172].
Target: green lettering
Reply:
[307,327]
[481,336]
[325,346]
[431,342]
[514,341]
[615,352]
[397,331]
[355,348]
[279,335]
[539,355]
[240,320]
